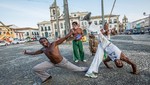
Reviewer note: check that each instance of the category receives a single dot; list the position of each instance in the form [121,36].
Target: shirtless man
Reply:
[106,32]
[52,52]
[93,44]
[113,52]
[77,43]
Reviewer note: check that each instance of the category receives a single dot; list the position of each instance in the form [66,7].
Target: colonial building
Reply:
[26,32]
[6,32]
[52,30]
[124,22]
[140,23]
[113,22]
[12,32]
[45,29]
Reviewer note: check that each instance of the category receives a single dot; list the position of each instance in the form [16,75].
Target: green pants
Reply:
[78,50]
[105,55]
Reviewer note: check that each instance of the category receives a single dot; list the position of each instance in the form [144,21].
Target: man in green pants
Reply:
[77,43]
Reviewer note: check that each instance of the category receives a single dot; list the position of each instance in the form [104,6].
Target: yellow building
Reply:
[6,32]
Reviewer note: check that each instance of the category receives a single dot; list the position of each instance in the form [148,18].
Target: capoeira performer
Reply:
[93,44]
[98,55]
[77,43]
[52,52]
[114,53]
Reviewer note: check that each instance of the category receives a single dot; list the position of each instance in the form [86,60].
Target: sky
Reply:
[27,13]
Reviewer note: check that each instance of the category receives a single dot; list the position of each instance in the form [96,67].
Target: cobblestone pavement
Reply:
[16,68]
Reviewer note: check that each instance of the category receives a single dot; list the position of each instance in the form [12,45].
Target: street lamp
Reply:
[102,10]
[144,13]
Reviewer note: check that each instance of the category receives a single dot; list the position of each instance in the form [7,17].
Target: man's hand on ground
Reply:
[136,73]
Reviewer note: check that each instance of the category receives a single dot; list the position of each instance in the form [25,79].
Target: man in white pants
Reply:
[52,52]
[113,52]
[98,55]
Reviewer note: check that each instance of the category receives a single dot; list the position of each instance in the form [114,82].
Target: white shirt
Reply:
[103,40]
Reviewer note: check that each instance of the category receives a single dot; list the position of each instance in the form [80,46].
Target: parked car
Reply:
[18,41]
[142,31]
[136,31]
[149,30]
[128,31]
[4,43]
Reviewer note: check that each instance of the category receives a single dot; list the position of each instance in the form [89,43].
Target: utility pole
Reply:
[102,9]
[57,20]
[66,17]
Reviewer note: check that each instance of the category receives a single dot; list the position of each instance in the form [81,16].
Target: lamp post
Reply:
[102,10]
[66,16]
[144,13]
[57,19]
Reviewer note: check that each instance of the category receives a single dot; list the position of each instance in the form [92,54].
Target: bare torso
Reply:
[53,53]
[77,31]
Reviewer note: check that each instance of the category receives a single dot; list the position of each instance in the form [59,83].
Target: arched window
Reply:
[27,33]
[37,33]
[54,12]
[49,28]
[115,20]
[95,22]
[110,21]
[100,22]
[45,28]
[42,29]
[61,25]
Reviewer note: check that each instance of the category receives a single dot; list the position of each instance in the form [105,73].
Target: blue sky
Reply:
[27,13]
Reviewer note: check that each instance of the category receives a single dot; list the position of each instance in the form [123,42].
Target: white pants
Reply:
[42,67]
[113,52]
[97,60]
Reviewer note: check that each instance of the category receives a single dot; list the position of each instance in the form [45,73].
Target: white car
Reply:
[18,41]
[4,43]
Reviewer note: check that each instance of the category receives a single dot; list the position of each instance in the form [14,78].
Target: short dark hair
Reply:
[119,65]
[43,38]
[74,23]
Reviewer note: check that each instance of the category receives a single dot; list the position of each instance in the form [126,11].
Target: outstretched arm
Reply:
[134,67]
[81,32]
[105,62]
[33,53]
[61,40]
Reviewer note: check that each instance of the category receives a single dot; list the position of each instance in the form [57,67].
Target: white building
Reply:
[144,22]
[26,32]
[113,22]
[50,28]
[45,29]
[125,22]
